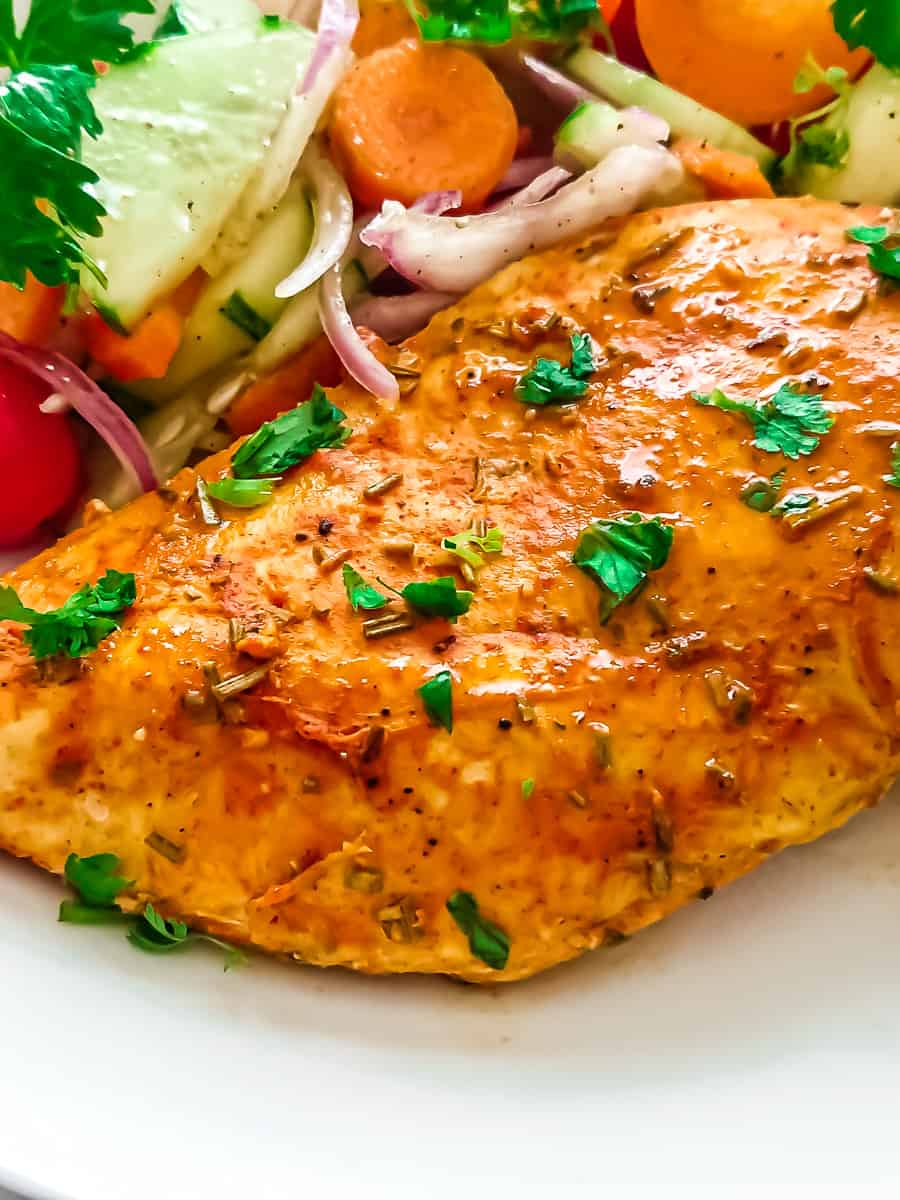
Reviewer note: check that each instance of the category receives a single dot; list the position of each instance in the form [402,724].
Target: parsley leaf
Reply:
[620,553]
[438,598]
[893,480]
[172,24]
[527,789]
[243,493]
[155,934]
[794,502]
[80,32]
[96,879]
[487,941]
[45,108]
[787,423]
[874,24]
[497,21]
[291,438]
[462,545]
[437,697]
[761,494]
[78,626]
[361,594]
[883,258]
[555,20]
[549,382]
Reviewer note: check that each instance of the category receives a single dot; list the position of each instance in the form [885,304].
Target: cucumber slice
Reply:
[871,170]
[185,128]
[624,86]
[212,336]
[595,128]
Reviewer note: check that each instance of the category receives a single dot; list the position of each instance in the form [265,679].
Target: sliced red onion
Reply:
[545,185]
[397,317]
[333,210]
[554,84]
[522,172]
[356,356]
[453,254]
[435,204]
[91,403]
[338,20]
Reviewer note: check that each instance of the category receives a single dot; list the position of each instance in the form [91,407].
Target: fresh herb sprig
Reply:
[874,24]
[493,22]
[361,594]
[291,438]
[884,248]
[552,382]
[789,423]
[487,941]
[98,884]
[437,699]
[619,554]
[80,624]
[471,546]
[45,111]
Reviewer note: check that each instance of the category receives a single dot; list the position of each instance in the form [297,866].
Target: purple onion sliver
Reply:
[539,189]
[435,204]
[356,356]
[522,172]
[397,317]
[337,24]
[91,403]
[554,84]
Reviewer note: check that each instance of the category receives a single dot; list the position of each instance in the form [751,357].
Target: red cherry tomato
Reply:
[609,8]
[40,464]
[625,34]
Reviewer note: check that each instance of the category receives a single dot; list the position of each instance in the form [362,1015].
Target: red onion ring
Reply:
[557,87]
[356,356]
[435,204]
[397,317]
[522,172]
[91,403]
[539,189]
[337,24]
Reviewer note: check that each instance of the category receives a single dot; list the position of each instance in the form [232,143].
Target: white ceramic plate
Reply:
[749,1046]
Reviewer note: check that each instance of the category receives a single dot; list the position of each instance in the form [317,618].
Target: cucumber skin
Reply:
[624,86]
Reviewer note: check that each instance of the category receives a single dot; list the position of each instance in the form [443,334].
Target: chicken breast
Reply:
[598,775]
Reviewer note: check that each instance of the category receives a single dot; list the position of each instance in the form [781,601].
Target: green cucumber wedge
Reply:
[624,86]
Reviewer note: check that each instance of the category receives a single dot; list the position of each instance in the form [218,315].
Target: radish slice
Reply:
[333,209]
[356,356]
[397,317]
[453,254]
[337,24]
[79,392]
[556,87]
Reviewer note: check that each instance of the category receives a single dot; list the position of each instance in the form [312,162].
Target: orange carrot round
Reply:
[412,119]
[143,354]
[30,315]
[725,174]
[285,388]
[740,57]
[381,23]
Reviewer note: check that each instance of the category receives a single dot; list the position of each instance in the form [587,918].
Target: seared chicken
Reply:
[598,775]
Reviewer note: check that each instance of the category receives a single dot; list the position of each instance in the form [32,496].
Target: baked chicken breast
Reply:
[630,731]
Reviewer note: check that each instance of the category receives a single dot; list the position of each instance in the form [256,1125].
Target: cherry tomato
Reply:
[625,34]
[40,463]
[609,8]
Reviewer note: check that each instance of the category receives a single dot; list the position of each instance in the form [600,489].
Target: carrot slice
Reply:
[285,388]
[740,57]
[144,354]
[381,23]
[30,315]
[412,119]
[725,174]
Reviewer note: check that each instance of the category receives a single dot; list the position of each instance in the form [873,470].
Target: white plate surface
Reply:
[748,1046]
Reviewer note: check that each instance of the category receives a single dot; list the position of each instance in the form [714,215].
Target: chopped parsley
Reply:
[97,881]
[45,110]
[291,438]
[824,146]
[438,598]
[527,789]
[467,545]
[78,626]
[437,697]
[550,382]
[487,941]
[761,494]
[795,502]
[874,24]
[893,480]
[788,423]
[620,553]
[883,258]
[496,21]
[242,314]
[361,594]
[243,493]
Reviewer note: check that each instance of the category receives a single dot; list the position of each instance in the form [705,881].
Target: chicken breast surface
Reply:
[597,776]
